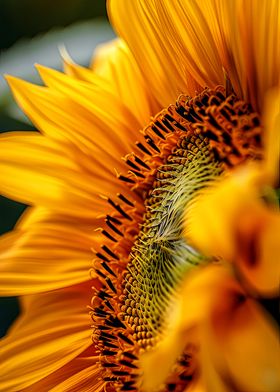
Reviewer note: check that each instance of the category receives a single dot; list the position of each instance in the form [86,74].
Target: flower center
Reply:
[160,257]
[144,257]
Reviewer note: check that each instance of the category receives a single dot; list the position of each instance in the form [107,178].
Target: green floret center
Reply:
[161,257]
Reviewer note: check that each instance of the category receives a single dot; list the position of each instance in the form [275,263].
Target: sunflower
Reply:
[160,163]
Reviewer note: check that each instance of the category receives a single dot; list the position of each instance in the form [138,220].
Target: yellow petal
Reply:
[164,357]
[27,160]
[50,112]
[115,63]
[183,322]
[238,343]
[272,137]
[80,117]
[258,258]
[251,30]
[211,220]
[138,23]
[50,252]
[196,387]
[231,221]
[37,170]
[95,98]
[53,329]
[87,380]
[77,71]
[248,342]
[82,361]
[182,44]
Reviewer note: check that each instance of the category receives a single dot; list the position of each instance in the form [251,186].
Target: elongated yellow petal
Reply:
[95,100]
[87,380]
[251,30]
[50,253]
[119,73]
[34,170]
[186,27]
[187,40]
[115,63]
[53,329]
[26,167]
[84,122]
[82,361]
[138,23]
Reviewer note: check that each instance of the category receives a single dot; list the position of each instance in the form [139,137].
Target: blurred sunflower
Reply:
[171,310]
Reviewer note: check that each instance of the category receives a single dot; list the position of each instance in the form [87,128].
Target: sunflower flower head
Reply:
[157,169]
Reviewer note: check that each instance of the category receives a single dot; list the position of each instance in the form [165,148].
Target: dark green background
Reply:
[25,19]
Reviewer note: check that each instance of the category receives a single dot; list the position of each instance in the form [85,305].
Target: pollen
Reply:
[144,257]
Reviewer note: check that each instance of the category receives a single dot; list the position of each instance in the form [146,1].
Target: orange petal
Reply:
[211,220]
[229,220]
[258,251]
[272,137]
[251,30]
[213,313]
[248,343]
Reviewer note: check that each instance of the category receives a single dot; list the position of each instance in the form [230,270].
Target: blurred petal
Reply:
[247,339]
[196,387]
[164,356]
[272,136]
[213,313]
[211,220]
[258,251]
[182,325]
[229,220]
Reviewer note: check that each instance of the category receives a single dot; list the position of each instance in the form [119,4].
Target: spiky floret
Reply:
[144,257]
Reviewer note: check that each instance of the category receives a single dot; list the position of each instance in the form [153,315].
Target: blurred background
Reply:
[31,31]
